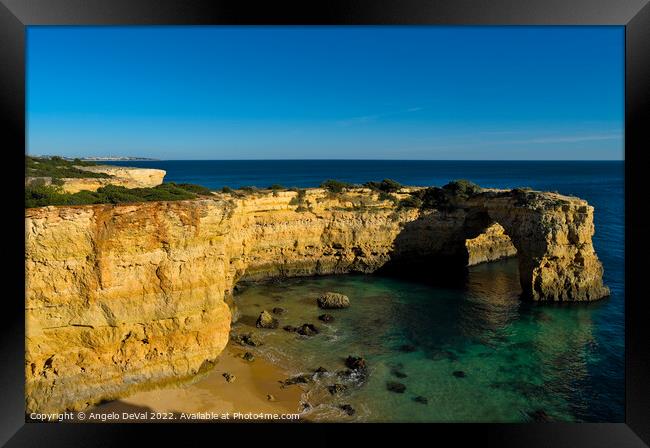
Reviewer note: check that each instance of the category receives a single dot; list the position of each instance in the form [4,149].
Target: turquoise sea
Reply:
[472,350]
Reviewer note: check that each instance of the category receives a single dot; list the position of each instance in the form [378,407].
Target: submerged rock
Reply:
[398,373]
[346,374]
[247,339]
[407,348]
[248,356]
[279,311]
[459,374]
[347,409]
[337,388]
[326,318]
[333,300]
[320,370]
[396,387]
[307,330]
[298,379]
[420,399]
[266,321]
[229,377]
[356,363]
[289,328]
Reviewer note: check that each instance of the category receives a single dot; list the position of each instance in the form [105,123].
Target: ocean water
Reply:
[519,361]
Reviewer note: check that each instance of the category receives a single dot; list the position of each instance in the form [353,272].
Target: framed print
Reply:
[358,215]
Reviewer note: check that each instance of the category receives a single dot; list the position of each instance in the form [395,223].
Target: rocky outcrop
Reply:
[265,320]
[333,300]
[121,176]
[552,234]
[123,297]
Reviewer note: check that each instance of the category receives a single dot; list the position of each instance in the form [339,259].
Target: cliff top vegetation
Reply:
[446,197]
[59,168]
[43,195]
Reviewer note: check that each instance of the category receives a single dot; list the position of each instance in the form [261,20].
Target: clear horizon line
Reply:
[148,159]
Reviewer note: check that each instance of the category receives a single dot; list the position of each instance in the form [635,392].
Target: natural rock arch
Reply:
[552,235]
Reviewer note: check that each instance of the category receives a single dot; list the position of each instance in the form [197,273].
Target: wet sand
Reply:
[254,380]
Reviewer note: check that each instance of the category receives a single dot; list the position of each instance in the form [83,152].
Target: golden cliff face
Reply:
[121,297]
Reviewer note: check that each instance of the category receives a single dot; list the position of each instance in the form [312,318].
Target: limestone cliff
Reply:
[122,176]
[120,297]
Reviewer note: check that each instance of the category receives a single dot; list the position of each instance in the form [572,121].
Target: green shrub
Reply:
[276,188]
[39,196]
[523,196]
[410,202]
[462,188]
[58,168]
[443,198]
[383,196]
[435,197]
[335,186]
[198,189]
[299,199]
[386,185]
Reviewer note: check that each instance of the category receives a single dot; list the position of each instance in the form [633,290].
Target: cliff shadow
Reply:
[433,249]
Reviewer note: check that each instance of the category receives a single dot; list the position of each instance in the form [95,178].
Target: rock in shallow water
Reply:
[396,387]
[347,409]
[337,388]
[266,321]
[355,363]
[307,330]
[279,311]
[333,300]
[247,339]
[298,379]
[248,356]
[229,377]
[326,318]
[459,374]
[420,399]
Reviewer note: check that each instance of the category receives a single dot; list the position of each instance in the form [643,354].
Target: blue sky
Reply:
[454,93]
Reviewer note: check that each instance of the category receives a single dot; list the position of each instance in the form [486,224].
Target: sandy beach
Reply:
[248,393]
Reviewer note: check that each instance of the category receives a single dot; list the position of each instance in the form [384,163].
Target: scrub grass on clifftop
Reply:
[43,195]
[59,168]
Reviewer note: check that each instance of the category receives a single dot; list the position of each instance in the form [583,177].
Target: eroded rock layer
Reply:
[122,297]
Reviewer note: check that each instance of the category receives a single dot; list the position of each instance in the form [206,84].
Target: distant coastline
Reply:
[106,159]
[99,159]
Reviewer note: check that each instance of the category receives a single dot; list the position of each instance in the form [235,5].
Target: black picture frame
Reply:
[15,15]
